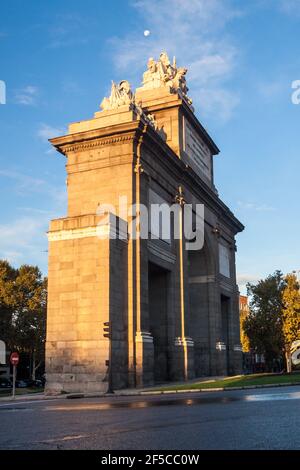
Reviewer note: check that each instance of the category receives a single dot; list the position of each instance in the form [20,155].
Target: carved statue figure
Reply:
[167,71]
[151,78]
[152,121]
[163,73]
[180,81]
[120,95]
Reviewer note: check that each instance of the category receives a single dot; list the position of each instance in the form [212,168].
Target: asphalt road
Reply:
[258,419]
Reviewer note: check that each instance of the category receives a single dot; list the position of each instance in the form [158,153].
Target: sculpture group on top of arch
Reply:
[163,73]
[159,74]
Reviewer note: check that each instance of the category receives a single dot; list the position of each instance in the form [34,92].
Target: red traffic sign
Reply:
[14,358]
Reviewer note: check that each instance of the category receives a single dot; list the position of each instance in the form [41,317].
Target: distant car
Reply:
[5,383]
[21,384]
[41,379]
[38,383]
[29,382]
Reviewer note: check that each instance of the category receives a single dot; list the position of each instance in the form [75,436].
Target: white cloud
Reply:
[193,31]
[26,184]
[218,100]
[46,132]
[243,279]
[211,67]
[23,181]
[256,207]
[66,31]
[27,96]
[71,86]
[50,151]
[290,7]
[20,232]
[24,238]
[272,89]
[33,210]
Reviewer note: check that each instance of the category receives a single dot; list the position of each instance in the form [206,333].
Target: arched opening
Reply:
[201,274]
[158,289]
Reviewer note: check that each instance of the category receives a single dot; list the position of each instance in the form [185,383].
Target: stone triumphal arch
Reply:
[173,313]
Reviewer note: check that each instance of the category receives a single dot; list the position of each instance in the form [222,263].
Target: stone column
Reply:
[235,357]
[144,349]
[183,366]
[235,348]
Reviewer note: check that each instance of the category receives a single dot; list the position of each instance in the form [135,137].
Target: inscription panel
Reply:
[224,260]
[196,150]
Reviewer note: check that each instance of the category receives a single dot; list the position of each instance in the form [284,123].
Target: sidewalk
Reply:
[29,396]
[154,390]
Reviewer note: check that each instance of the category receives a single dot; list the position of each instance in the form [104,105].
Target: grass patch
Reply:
[239,381]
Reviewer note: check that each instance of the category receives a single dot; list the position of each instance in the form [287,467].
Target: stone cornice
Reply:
[91,225]
[115,134]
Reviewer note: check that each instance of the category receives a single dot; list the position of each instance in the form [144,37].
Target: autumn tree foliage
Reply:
[290,316]
[244,312]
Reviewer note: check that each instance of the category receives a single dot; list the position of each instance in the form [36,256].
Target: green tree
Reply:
[23,303]
[290,316]
[7,278]
[30,303]
[263,326]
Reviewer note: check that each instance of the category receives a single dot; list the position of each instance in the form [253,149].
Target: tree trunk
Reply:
[33,366]
[288,359]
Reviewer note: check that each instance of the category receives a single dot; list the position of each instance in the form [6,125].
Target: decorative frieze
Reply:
[95,143]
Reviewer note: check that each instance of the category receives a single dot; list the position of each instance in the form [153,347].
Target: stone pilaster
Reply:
[144,351]
[183,362]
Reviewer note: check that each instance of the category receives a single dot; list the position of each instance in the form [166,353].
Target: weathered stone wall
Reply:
[77,306]
[166,325]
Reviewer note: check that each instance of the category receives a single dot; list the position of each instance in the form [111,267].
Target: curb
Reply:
[174,392]
[221,389]
[73,396]
[29,397]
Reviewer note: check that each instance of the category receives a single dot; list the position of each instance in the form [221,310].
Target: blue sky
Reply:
[58,59]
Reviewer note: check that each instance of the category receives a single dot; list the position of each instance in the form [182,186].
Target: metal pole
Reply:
[110,376]
[14,383]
